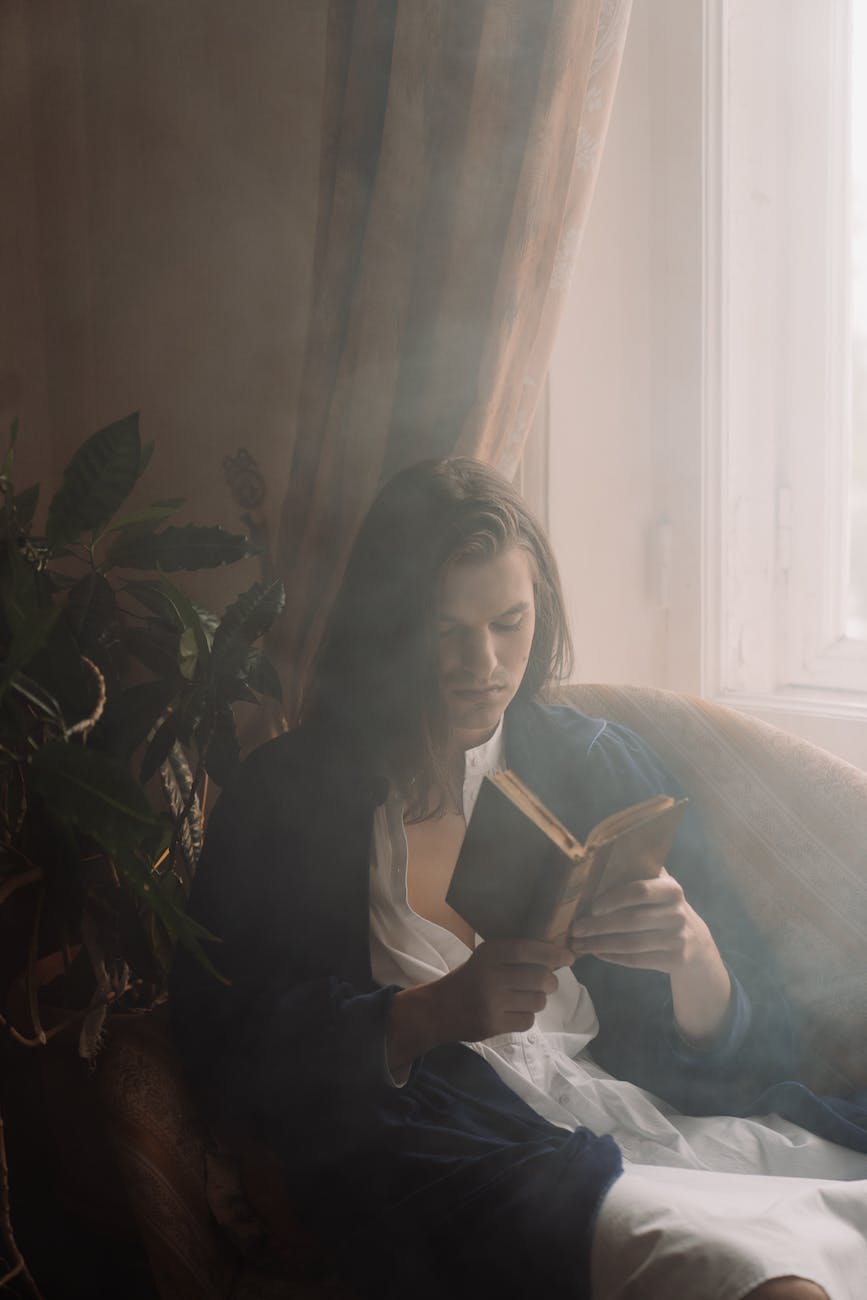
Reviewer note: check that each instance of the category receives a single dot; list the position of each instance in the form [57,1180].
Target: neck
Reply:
[461,742]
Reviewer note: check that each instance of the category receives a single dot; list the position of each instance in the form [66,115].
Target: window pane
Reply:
[856,625]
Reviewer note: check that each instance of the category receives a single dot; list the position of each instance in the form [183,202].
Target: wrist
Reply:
[414,1025]
[701,992]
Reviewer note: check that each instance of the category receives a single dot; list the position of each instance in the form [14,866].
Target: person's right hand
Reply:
[498,990]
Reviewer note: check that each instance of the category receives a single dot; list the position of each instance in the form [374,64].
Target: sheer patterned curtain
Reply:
[460,145]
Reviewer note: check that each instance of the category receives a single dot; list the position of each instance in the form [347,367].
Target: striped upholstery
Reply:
[215,1225]
[160,1145]
[790,823]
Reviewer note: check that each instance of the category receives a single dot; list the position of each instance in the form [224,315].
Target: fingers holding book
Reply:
[520,871]
[501,988]
[646,923]
[649,925]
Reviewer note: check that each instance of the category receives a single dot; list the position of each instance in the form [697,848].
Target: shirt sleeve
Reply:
[289,1043]
[723,1049]
[397,1078]
[638,1039]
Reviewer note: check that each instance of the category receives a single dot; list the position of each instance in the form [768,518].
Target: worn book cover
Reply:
[522,874]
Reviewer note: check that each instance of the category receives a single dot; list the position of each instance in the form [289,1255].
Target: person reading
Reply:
[471,1118]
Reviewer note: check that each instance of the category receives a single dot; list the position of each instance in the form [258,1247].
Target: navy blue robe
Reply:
[450,1184]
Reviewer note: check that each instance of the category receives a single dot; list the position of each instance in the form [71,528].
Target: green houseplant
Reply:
[117,695]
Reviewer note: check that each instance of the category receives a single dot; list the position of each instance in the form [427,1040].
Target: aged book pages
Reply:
[522,874]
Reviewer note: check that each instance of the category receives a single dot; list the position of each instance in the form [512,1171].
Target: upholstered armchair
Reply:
[789,823]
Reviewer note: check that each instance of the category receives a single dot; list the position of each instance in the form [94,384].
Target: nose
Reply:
[478,655]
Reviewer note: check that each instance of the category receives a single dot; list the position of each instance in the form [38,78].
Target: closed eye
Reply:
[514,626]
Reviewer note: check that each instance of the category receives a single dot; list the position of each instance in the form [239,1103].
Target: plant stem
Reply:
[16,1036]
[18,882]
[47,1034]
[82,727]
[19,1264]
[32,987]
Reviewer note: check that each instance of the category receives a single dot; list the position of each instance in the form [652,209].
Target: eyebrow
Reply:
[521,608]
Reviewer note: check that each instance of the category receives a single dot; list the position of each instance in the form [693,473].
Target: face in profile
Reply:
[486,617]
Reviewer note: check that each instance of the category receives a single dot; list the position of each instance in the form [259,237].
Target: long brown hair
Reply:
[375,680]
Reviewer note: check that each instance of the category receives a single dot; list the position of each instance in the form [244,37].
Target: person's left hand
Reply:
[647,923]
[650,925]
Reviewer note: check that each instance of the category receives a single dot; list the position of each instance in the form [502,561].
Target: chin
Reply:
[479,714]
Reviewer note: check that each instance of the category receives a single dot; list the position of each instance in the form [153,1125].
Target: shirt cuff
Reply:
[724,1047]
[395,1078]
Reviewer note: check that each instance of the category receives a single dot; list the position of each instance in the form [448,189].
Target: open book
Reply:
[522,874]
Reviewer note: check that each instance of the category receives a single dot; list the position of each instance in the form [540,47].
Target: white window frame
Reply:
[775,417]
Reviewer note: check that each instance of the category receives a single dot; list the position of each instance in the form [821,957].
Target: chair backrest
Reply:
[214,1217]
[789,821]
[160,1145]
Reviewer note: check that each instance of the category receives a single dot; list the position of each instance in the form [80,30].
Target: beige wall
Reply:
[160,171]
[625,458]
[601,487]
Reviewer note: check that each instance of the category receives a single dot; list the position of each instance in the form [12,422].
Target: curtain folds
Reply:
[460,145]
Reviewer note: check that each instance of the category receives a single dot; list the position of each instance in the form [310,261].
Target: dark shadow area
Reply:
[70,1214]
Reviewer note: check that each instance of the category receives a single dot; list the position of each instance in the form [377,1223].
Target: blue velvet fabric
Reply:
[450,1184]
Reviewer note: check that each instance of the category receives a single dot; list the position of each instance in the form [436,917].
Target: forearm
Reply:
[414,1026]
[701,995]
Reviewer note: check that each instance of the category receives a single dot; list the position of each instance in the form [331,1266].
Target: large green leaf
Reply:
[38,697]
[153,645]
[92,612]
[159,747]
[177,782]
[181,926]
[61,669]
[24,506]
[147,450]
[153,598]
[148,517]
[237,691]
[188,654]
[210,622]
[192,713]
[261,675]
[223,753]
[243,623]
[191,546]
[96,482]
[198,643]
[26,643]
[25,589]
[95,793]
[132,714]
[9,457]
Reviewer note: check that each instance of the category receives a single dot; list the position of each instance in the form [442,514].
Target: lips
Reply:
[475,693]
